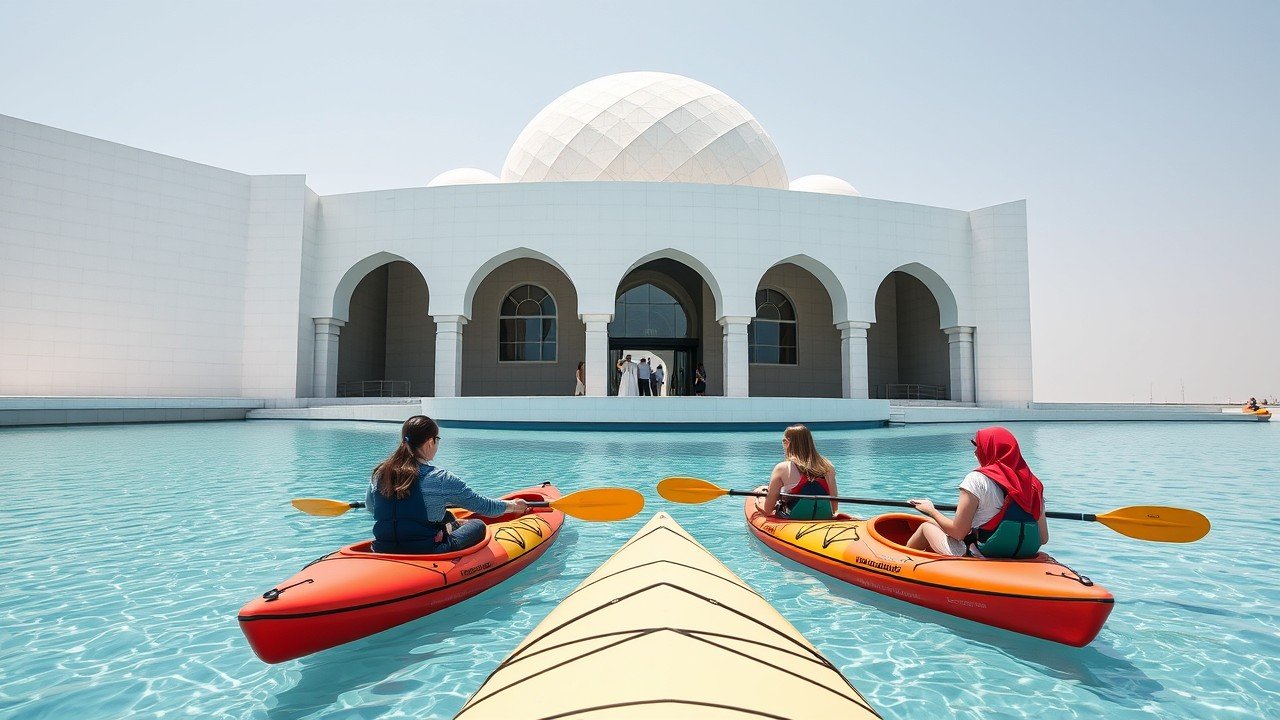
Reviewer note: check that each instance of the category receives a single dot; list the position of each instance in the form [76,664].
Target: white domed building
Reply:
[642,212]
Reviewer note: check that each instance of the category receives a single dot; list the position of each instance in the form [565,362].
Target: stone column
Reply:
[449,354]
[324,362]
[737,373]
[960,345]
[854,380]
[597,352]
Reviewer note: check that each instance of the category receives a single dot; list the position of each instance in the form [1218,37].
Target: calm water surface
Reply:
[128,551]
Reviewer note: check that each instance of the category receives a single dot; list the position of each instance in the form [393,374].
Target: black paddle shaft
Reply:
[1087,517]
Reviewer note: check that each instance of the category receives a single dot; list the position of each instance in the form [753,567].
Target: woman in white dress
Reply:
[580,379]
[628,385]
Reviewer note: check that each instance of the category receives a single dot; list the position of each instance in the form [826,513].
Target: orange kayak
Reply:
[355,592]
[1037,596]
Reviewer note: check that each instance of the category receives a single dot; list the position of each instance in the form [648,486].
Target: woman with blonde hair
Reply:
[409,496]
[803,472]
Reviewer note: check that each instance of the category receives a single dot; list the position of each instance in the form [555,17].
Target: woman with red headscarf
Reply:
[1001,508]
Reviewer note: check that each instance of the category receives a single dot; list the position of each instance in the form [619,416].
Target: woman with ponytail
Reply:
[408,498]
[803,472]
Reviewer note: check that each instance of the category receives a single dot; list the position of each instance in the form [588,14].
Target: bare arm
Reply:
[957,527]
[835,506]
[776,480]
[1043,524]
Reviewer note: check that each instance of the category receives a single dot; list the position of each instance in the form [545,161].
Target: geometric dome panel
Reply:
[648,127]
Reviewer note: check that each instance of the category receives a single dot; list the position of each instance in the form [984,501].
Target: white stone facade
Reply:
[124,272]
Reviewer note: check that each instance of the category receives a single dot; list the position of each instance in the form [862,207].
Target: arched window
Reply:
[527,326]
[771,336]
[648,311]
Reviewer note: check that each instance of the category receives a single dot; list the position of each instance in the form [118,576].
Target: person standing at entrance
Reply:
[700,381]
[643,377]
[658,378]
[627,384]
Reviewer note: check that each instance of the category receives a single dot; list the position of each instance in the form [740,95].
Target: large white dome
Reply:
[645,126]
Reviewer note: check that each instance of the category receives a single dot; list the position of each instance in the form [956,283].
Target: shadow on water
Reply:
[1098,667]
[370,661]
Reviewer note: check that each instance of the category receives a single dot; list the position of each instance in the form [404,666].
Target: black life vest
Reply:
[401,526]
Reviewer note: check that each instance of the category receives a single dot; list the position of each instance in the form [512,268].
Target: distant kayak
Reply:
[1037,596]
[355,592]
[662,629]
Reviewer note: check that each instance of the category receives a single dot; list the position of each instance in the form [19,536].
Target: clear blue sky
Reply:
[1142,134]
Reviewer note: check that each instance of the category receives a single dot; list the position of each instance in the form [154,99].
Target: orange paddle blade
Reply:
[600,504]
[689,490]
[1157,523]
[321,507]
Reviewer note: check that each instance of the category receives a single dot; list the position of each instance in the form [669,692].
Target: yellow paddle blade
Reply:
[322,507]
[1157,523]
[600,504]
[689,490]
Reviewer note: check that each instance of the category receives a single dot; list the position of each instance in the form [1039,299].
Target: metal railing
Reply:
[912,391]
[374,388]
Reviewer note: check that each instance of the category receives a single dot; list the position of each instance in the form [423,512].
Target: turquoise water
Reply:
[128,551]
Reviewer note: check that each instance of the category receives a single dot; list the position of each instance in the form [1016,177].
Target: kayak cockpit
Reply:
[894,529]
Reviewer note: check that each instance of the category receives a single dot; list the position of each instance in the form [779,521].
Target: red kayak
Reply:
[355,592]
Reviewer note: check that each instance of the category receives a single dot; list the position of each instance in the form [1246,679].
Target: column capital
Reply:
[596,317]
[458,320]
[853,329]
[727,320]
[852,324]
[957,333]
[330,326]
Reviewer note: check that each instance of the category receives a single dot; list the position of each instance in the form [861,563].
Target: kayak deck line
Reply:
[663,624]
[734,580]
[532,641]
[694,703]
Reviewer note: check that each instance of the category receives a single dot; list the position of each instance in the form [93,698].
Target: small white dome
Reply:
[647,127]
[828,184]
[463,176]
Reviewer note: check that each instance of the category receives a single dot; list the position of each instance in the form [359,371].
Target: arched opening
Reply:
[524,336]
[793,344]
[907,353]
[388,346]
[663,310]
